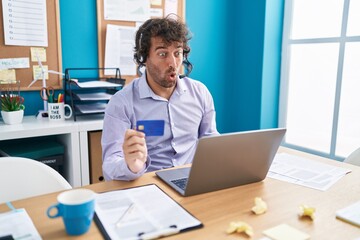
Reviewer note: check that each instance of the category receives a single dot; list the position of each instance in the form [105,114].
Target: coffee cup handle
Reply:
[57,214]
[70,111]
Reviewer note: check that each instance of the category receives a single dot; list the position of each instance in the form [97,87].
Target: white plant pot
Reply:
[14,117]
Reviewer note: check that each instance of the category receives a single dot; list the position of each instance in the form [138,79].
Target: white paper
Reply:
[153,211]
[18,224]
[156,13]
[25,23]
[91,108]
[11,63]
[93,96]
[95,84]
[126,10]
[350,214]
[171,6]
[305,172]
[119,49]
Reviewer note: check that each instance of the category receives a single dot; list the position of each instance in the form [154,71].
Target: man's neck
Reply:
[161,91]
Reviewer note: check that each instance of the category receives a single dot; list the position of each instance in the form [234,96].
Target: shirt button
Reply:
[173,143]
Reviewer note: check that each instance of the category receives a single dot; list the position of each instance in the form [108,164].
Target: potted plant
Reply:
[12,104]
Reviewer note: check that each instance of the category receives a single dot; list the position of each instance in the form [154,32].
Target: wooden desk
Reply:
[217,209]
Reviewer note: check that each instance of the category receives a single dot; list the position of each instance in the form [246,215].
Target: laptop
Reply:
[225,161]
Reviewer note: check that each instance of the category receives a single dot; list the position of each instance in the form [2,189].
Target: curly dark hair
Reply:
[170,30]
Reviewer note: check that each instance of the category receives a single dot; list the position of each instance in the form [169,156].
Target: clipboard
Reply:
[144,212]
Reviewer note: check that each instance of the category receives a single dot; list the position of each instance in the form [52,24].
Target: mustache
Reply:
[171,70]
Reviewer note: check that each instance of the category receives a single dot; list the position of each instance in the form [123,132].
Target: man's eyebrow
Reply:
[180,45]
[159,47]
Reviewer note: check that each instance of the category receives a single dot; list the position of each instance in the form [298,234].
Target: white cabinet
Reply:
[73,135]
[89,96]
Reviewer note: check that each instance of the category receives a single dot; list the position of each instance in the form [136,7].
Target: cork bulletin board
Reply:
[102,25]
[53,50]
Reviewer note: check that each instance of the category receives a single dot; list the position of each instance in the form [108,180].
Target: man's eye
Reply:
[178,54]
[162,54]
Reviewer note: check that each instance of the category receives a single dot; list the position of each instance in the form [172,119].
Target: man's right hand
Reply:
[135,150]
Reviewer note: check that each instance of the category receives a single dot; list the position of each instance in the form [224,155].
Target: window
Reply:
[320,76]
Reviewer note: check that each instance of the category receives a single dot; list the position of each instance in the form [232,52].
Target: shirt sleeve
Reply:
[208,122]
[116,122]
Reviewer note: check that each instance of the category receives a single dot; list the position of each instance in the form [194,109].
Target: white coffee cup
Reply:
[56,111]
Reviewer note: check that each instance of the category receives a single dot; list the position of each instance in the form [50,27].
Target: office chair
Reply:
[354,157]
[23,178]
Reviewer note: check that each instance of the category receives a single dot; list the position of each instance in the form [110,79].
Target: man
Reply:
[186,106]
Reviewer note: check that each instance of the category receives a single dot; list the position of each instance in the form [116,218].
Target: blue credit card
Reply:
[151,127]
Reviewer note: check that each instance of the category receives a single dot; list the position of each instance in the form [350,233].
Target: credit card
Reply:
[151,127]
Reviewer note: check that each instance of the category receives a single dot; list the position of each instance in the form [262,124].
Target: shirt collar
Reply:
[144,88]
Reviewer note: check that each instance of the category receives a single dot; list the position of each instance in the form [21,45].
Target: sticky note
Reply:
[38,54]
[7,76]
[37,72]
[151,127]
[285,232]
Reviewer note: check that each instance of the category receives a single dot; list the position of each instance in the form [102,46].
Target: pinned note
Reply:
[9,63]
[7,76]
[37,72]
[37,52]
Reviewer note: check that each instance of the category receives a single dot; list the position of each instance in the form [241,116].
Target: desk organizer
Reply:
[90,95]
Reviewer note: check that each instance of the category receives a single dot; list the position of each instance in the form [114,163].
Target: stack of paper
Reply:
[144,212]
[305,172]
[18,224]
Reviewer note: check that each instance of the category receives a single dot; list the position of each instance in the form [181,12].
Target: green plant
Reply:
[10,97]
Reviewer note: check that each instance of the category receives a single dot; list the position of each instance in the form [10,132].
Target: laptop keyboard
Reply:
[181,182]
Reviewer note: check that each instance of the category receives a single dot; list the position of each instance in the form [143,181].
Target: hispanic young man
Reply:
[186,106]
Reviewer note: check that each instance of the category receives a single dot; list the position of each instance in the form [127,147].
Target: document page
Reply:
[94,84]
[18,224]
[141,211]
[93,96]
[305,172]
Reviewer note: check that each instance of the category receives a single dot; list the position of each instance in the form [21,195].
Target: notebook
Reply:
[141,213]
[225,161]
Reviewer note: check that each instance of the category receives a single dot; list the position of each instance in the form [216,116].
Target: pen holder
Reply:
[56,111]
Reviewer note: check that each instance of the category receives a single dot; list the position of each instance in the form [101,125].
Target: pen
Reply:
[60,98]
[160,233]
[127,211]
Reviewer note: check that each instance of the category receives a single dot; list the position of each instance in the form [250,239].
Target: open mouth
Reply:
[172,76]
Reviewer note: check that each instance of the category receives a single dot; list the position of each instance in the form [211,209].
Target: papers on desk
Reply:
[350,214]
[18,224]
[305,172]
[95,84]
[144,212]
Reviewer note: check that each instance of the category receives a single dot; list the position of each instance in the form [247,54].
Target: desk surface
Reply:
[217,209]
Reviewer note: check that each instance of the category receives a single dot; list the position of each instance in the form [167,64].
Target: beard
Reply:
[166,80]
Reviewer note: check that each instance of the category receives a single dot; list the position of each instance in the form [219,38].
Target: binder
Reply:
[144,212]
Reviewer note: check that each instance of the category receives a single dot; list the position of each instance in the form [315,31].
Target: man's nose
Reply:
[172,61]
